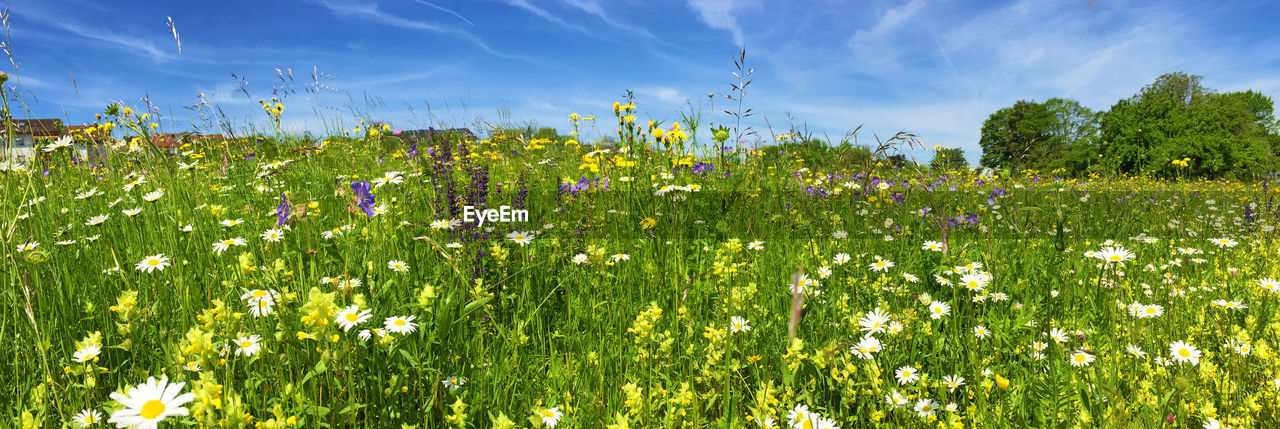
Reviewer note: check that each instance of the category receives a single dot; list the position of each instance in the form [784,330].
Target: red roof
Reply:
[38,127]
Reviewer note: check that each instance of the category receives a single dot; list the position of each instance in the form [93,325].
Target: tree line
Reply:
[1172,127]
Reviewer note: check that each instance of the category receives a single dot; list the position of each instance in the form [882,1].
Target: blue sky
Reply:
[933,67]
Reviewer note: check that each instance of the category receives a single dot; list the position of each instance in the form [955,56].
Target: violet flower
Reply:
[364,199]
[282,210]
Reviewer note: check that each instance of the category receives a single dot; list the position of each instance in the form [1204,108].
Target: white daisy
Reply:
[97,220]
[152,263]
[273,235]
[398,266]
[87,353]
[351,316]
[551,416]
[248,346]
[906,375]
[150,403]
[400,324]
[223,245]
[739,324]
[87,418]
[1183,352]
[521,238]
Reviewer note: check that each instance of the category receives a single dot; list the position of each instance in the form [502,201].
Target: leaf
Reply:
[412,361]
[473,306]
[351,409]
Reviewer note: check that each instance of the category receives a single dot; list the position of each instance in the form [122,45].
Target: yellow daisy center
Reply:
[399,322]
[153,262]
[1184,353]
[246,344]
[1080,358]
[151,409]
[351,317]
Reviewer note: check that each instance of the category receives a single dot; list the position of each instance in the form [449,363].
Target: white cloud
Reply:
[879,45]
[445,10]
[892,19]
[721,15]
[400,78]
[227,94]
[134,45]
[594,7]
[544,14]
[29,82]
[370,11]
[666,95]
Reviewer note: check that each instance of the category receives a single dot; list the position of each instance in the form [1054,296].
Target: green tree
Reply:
[951,158]
[1174,118]
[546,133]
[1076,124]
[1013,136]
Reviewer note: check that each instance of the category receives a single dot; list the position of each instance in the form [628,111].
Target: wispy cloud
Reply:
[134,45]
[720,15]
[594,7]
[445,10]
[402,77]
[544,14]
[876,45]
[370,11]
[30,82]
[226,94]
[666,95]
[891,20]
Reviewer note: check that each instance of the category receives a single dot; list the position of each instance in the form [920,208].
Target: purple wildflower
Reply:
[282,210]
[702,167]
[364,199]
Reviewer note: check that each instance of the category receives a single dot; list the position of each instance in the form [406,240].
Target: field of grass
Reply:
[257,283]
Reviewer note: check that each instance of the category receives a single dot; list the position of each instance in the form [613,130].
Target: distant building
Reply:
[92,143]
[433,135]
[87,134]
[96,140]
[26,131]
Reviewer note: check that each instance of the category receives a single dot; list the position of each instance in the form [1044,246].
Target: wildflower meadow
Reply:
[631,271]
[277,282]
